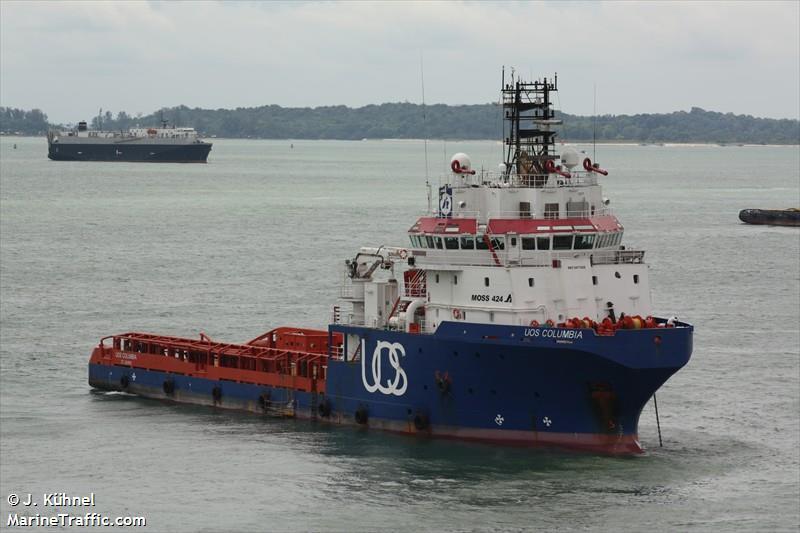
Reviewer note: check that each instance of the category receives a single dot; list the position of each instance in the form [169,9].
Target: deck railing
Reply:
[541,258]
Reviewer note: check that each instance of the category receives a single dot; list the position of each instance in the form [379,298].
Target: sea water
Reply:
[256,238]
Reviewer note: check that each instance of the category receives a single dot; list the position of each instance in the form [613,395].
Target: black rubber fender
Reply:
[216,393]
[124,381]
[421,422]
[324,408]
[168,386]
[264,400]
[362,416]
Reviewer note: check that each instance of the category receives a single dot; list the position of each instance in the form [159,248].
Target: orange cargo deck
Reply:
[287,357]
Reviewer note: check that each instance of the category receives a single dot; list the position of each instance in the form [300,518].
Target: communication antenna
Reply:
[424,128]
[594,126]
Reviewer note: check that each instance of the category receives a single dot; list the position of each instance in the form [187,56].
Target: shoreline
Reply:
[642,144]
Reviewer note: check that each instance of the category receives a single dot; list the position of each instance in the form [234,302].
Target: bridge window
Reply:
[468,243]
[429,240]
[438,241]
[562,242]
[551,211]
[451,243]
[528,243]
[480,243]
[584,242]
[543,243]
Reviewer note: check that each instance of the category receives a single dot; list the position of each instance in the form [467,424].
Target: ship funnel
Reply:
[460,164]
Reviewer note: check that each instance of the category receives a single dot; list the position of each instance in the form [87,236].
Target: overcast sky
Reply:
[69,59]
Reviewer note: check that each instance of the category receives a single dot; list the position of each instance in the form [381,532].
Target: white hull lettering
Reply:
[553,333]
[394,387]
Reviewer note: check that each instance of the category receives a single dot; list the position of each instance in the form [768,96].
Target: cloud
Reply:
[71,58]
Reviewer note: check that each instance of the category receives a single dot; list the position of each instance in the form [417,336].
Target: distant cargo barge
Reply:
[155,145]
[772,217]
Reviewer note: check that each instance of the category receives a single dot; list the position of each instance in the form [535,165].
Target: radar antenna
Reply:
[528,135]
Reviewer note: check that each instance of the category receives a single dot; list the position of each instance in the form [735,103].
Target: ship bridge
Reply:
[533,243]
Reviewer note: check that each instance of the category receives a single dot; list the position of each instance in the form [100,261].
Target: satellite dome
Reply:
[570,157]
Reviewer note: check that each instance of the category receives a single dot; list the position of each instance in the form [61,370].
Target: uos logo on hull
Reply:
[397,386]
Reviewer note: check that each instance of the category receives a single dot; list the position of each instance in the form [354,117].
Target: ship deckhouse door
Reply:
[513,248]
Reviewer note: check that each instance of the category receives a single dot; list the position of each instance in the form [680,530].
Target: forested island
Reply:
[413,121]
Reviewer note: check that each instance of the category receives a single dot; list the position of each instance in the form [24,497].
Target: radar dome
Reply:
[570,157]
[460,163]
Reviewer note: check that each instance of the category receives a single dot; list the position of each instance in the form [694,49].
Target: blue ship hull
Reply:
[506,384]
[130,152]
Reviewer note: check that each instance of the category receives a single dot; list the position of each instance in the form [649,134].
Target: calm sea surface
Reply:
[254,239]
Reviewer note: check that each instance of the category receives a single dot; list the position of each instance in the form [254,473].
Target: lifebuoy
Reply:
[534,323]
[403,253]
[457,314]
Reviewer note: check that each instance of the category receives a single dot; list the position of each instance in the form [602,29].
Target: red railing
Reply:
[269,358]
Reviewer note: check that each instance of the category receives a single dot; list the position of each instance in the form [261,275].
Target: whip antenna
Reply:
[594,126]
[424,127]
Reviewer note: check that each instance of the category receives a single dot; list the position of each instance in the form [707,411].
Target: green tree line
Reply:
[407,121]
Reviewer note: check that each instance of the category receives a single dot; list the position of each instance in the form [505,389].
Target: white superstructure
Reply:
[532,243]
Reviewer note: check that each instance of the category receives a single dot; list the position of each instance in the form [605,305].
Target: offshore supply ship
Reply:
[513,315]
[157,145]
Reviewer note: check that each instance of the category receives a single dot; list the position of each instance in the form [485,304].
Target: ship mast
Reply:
[528,118]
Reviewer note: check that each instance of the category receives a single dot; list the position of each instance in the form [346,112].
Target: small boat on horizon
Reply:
[772,217]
